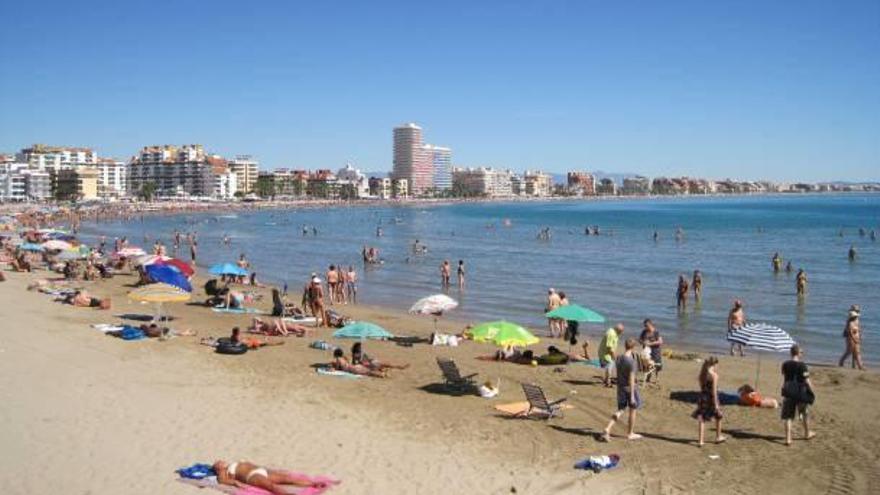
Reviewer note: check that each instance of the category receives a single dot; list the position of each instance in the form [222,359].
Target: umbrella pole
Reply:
[758,374]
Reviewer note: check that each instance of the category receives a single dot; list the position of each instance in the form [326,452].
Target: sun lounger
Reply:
[538,403]
[453,377]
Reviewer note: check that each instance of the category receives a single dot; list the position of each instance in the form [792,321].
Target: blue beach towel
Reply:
[197,471]
[240,311]
[131,333]
[592,362]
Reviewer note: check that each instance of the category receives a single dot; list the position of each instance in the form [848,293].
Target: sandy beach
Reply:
[88,413]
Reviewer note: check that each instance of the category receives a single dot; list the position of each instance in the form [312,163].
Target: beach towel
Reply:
[197,471]
[107,327]
[303,320]
[211,482]
[322,346]
[592,362]
[520,408]
[332,372]
[597,463]
[131,333]
[240,311]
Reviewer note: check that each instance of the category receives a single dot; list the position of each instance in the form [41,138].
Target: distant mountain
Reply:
[380,175]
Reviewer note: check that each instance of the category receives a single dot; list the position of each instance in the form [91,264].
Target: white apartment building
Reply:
[537,183]
[112,178]
[175,170]
[43,157]
[20,183]
[483,181]
[225,185]
[246,170]
[348,175]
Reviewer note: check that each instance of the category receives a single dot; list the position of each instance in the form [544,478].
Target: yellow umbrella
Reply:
[159,294]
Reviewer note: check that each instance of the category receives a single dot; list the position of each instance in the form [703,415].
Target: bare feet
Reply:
[810,435]
[720,439]
[633,436]
[605,437]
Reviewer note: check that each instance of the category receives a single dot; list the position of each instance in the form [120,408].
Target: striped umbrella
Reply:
[762,337]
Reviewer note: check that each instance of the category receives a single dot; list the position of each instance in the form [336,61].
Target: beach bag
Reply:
[798,392]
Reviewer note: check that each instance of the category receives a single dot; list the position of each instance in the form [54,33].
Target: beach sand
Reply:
[84,413]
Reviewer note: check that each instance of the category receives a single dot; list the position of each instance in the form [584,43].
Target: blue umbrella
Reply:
[167,274]
[228,269]
[29,246]
[362,330]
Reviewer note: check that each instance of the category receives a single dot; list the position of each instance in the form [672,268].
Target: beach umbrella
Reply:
[503,334]
[56,245]
[148,259]
[434,306]
[228,269]
[130,252]
[159,294]
[168,275]
[29,246]
[70,254]
[573,312]
[362,330]
[182,266]
[761,337]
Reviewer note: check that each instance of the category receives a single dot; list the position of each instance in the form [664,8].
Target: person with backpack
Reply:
[797,393]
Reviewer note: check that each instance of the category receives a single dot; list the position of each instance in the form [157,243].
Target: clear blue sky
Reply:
[777,90]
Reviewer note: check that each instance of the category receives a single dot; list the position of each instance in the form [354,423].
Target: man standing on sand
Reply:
[608,351]
[853,335]
[797,392]
[553,302]
[628,398]
[735,319]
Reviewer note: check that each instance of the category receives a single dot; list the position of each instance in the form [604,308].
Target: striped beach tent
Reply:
[762,337]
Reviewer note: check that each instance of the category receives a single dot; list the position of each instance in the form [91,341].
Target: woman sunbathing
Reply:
[359,357]
[342,364]
[83,299]
[277,327]
[243,473]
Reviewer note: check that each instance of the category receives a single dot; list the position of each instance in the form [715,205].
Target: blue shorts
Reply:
[623,399]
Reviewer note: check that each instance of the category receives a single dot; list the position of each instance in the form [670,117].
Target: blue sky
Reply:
[777,90]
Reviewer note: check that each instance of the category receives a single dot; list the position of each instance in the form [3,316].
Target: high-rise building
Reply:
[441,162]
[113,178]
[411,162]
[43,157]
[246,170]
[582,183]
[181,171]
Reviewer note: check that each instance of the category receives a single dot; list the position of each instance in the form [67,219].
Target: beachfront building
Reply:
[537,183]
[112,178]
[636,186]
[44,157]
[606,187]
[37,185]
[380,187]
[482,181]
[441,163]
[178,171]
[352,179]
[12,182]
[77,184]
[581,183]
[427,168]
[400,188]
[246,171]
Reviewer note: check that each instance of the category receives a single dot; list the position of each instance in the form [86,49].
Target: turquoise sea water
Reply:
[622,273]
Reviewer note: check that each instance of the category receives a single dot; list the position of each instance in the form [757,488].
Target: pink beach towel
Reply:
[252,490]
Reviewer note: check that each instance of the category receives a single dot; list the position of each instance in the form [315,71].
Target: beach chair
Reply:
[453,377]
[538,403]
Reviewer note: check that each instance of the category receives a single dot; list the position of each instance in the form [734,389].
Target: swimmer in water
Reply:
[852,252]
[801,283]
[776,262]
[697,285]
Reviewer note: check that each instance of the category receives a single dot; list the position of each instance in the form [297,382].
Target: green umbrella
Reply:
[573,312]
[362,330]
[502,334]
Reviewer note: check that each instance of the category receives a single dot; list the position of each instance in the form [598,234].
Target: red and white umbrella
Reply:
[434,306]
[130,252]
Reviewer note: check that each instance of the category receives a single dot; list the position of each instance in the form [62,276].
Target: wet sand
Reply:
[87,413]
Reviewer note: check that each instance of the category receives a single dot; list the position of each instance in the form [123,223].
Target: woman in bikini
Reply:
[243,473]
[359,357]
[708,407]
[342,364]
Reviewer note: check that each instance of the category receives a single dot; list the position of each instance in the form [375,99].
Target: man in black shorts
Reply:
[797,393]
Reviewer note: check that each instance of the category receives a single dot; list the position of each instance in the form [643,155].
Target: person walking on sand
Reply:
[797,393]
[608,351]
[445,274]
[697,285]
[460,273]
[801,283]
[735,319]
[708,407]
[853,334]
[682,293]
[628,398]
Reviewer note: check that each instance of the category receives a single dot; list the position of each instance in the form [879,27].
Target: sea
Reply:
[623,272]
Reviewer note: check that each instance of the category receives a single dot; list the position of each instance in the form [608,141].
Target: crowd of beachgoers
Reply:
[44,242]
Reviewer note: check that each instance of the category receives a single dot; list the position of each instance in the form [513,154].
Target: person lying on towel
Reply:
[243,473]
